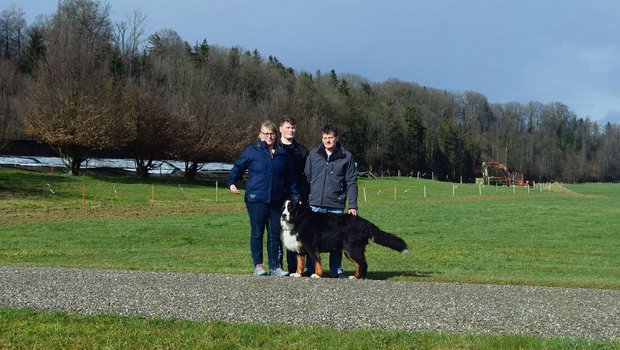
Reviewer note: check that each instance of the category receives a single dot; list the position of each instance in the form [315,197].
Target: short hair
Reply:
[270,125]
[287,119]
[330,129]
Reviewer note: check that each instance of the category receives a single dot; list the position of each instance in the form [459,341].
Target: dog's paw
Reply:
[295,275]
[314,275]
[352,277]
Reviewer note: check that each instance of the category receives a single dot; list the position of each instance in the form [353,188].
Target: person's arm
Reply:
[308,175]
[351,182]
[237,171]
[308,167]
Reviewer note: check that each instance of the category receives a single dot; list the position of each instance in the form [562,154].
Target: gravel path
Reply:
[341,304]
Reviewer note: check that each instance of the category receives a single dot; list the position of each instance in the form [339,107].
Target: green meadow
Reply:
[551,235]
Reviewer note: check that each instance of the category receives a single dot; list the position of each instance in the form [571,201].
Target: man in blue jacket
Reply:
[270,179]
[332,175]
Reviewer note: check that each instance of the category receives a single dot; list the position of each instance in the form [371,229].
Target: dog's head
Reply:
[291,211]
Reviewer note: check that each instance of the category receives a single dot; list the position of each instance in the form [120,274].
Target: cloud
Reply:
[582,77]
[613,116]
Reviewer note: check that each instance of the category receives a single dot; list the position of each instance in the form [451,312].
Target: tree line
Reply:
[81,83]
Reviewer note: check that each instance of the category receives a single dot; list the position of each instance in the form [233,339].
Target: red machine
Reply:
[496,173]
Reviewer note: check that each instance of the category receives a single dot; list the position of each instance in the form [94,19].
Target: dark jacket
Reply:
[332,179]
[298,154]
[270,179]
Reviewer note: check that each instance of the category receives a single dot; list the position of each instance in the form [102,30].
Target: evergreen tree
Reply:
[35,51]
[414,140]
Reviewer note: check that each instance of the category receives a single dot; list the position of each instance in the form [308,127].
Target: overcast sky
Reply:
[564,51]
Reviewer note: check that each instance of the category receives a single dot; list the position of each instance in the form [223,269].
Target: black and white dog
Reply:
[305,232]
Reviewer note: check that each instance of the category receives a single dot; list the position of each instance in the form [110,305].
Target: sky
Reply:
[565,51]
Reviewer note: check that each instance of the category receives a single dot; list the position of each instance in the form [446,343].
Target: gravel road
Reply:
[341,304]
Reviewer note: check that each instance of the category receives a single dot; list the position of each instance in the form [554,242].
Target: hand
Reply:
[234,189]
[353,212]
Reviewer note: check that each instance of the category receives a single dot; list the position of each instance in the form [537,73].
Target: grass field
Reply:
[25,329]
[565,235]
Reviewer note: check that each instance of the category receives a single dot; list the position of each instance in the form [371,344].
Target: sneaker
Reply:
[259,270]
[279,272]
[341,275]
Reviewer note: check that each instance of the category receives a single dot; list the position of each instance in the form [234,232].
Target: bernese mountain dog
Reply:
[306,232]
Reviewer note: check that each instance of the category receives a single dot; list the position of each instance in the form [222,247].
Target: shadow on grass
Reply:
[157,180]
[23,183]
[30,181]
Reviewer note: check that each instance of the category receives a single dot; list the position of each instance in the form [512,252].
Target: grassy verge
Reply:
[27,329]
[562,236]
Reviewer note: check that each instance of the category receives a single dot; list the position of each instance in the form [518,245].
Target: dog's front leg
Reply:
[301,262]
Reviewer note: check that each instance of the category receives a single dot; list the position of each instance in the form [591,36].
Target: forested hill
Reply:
[80,82]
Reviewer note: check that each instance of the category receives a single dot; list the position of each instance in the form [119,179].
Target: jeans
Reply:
[335,258]
[291,261]
[265,215]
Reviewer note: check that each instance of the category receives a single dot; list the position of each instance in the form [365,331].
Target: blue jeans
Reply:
[265,215]
[335,258]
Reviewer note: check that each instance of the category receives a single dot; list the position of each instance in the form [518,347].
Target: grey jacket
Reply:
[332,179]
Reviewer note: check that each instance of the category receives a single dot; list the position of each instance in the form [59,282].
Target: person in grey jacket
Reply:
[332,175]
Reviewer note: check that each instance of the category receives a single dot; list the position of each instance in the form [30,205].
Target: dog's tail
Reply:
[389,240]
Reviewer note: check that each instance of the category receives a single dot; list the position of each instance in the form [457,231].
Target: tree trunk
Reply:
[191,169]
[142,167]
[72,157]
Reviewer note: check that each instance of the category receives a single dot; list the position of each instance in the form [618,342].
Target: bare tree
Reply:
[147,124]
[221,124]
[12,32]
[129,39]
[71,101]
[11,86]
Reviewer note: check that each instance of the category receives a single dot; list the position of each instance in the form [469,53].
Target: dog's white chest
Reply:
[289,240]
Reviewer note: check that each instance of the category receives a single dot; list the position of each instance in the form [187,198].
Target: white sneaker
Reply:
[279,272]
[259,270]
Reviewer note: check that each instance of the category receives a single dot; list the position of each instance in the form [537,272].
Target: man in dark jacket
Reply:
[332,175]
[298,154]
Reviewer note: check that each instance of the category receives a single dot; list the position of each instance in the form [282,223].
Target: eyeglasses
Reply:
[268,134]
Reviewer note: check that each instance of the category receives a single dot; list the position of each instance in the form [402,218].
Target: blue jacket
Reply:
[270,179]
